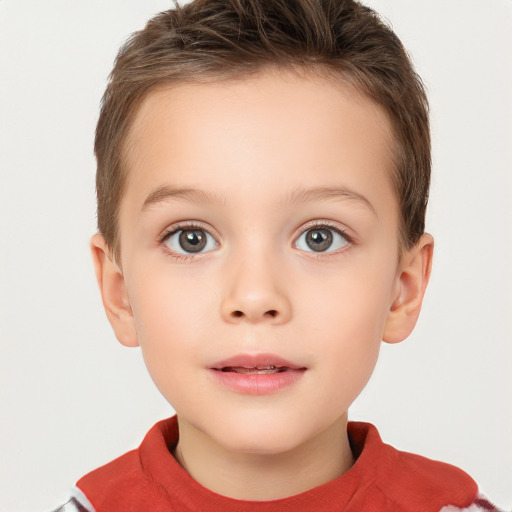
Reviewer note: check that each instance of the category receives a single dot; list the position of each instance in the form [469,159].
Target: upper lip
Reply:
[255,361]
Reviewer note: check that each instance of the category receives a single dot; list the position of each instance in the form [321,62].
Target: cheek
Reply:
[167,323]
[165,299]
[351,304]
[346,322]
[346,348]
[350,333]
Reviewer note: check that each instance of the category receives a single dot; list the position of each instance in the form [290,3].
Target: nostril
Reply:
[270,313]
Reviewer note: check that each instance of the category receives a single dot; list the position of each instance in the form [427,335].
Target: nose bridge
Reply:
[255,289]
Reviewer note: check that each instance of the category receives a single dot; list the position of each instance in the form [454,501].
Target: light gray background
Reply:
[72,398]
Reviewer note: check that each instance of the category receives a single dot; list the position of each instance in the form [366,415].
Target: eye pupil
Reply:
[192,240]
[319,240]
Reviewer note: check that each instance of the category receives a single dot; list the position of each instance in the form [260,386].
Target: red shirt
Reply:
[382,479]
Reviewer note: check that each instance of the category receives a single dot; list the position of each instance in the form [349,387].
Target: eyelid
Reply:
[175,228]
[189,224]
[324,224]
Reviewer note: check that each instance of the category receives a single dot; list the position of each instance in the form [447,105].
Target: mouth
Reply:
[257,364]
[259,374]
[258,370]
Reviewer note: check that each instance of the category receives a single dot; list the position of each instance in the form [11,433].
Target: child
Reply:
[263,174]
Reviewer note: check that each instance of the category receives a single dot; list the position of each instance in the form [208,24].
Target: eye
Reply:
[190,241]
[322,239]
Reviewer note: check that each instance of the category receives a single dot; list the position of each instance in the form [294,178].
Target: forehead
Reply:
[271,133]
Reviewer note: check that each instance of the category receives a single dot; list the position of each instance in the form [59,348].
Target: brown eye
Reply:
[190,241]
[321,239]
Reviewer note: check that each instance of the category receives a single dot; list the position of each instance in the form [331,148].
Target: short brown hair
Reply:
[209,40]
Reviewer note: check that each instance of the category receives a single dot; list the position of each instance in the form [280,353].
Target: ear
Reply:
[113,292]
[412,280]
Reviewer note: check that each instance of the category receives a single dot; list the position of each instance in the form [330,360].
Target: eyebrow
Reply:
[327,193]
[166,192]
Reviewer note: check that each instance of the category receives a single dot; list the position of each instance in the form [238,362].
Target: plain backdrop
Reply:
[72,398]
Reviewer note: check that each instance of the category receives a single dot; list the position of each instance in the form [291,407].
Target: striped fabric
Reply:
[481,504]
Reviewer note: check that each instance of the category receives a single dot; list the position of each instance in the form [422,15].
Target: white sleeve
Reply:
[481,504]
[77,502]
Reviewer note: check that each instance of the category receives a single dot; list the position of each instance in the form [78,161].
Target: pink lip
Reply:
[256,384]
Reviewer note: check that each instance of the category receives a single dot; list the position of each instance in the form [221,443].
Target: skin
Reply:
[252,147]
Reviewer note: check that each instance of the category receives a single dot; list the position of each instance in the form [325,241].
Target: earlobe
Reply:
[113,292]
[412,281]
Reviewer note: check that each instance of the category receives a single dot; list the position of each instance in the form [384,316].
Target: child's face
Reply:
[291,253]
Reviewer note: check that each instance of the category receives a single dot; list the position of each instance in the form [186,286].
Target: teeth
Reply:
[259,370]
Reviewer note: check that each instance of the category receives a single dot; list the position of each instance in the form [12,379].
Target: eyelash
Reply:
[313,225]
[326,225]
[176,229]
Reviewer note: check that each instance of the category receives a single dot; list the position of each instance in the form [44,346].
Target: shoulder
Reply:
[115,481]
[406,480]
[413,482]
[122,473]
[134,474]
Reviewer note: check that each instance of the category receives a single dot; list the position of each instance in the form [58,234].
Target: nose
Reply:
[254,293]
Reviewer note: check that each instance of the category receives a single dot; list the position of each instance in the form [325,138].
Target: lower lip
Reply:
[258,384]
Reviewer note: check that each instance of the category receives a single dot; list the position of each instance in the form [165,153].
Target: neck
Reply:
[262,477]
